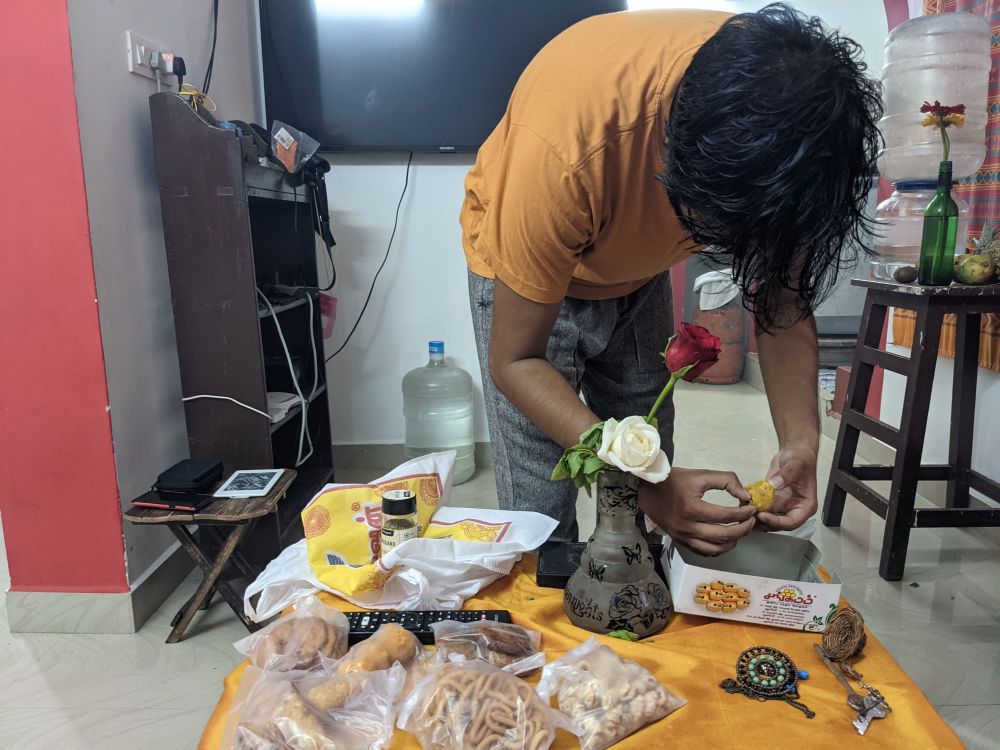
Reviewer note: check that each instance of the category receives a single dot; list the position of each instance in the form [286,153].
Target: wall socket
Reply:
[138,48]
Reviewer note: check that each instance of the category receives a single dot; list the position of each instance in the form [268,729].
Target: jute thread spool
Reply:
[845,639]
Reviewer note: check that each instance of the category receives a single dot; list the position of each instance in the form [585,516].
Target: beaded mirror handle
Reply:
[764,673]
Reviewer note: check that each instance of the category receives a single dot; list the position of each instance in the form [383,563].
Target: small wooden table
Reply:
[240,515]
[931,303]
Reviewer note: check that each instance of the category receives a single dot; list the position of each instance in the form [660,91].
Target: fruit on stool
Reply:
[989,244]
[761,494]
[974,269]
[905,274]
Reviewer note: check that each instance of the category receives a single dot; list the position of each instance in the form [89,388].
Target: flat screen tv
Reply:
[404,75]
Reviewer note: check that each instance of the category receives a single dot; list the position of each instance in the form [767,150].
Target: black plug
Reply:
[179,69]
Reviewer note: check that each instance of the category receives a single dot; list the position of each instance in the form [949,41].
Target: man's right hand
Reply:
[677,506]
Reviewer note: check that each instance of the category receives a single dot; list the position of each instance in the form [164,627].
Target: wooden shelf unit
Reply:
[232,224]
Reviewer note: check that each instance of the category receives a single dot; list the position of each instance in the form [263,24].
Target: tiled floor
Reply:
[942,623]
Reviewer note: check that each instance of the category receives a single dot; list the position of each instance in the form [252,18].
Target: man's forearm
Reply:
[789,363]
[537,389]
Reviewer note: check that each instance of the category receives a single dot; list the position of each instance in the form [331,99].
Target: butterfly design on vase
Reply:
[633,554]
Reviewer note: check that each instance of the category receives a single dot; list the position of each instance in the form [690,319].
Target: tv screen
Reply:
[404,75]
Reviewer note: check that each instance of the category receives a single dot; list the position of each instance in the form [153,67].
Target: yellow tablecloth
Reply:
[691,657]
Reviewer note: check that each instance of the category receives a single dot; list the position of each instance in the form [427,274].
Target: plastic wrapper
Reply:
[605,697]
[298,641]
[306,711]
[389,645]
[291,146]
[475,706]
[510,647]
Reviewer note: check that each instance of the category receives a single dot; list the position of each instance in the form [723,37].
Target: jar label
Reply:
[392,538]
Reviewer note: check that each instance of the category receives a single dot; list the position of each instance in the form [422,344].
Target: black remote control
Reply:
[364,624]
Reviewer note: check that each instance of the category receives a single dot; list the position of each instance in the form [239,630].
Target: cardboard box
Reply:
[781,573]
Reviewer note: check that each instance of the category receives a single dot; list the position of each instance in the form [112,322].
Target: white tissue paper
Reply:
[715,289]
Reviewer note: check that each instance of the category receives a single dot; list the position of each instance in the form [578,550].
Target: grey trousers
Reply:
[608,350]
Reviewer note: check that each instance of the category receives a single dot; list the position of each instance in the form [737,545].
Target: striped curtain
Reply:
[981,192]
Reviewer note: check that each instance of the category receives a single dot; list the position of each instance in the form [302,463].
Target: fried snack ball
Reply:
[389,644]
[761,494]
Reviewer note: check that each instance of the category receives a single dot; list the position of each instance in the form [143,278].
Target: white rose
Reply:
[634,446]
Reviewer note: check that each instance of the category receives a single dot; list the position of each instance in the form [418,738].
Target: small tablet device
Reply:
[249,483]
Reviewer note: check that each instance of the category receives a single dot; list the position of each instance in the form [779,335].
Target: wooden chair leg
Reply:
[872,322]
[963,408]
[912,427]
[212,570]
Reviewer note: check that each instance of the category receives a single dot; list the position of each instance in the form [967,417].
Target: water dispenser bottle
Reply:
[900,225]
[437,405]
[944,57]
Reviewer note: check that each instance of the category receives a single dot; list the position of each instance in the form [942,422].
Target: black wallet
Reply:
[189,475]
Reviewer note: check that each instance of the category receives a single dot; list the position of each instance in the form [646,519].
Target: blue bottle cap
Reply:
[435,347]
[907,186]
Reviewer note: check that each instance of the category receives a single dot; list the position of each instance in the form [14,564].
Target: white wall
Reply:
[137,325]
[422,294]
[861,20]
[986,435]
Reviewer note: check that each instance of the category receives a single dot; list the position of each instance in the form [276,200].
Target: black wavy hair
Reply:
[770,155]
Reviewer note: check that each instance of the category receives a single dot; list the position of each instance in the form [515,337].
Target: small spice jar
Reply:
[399,519]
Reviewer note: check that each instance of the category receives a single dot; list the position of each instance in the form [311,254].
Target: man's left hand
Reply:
[793,475]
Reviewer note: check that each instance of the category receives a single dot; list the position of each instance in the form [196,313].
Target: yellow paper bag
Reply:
[342,529]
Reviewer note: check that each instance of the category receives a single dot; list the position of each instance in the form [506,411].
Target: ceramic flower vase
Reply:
[616,586]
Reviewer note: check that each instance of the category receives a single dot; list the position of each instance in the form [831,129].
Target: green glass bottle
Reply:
[937,246]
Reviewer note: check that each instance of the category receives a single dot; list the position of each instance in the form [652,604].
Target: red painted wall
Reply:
[58,491]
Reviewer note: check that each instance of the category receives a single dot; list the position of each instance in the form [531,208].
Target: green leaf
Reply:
[593,465]
[592,437]
[684,370]
[561,470]
[574,460]
[625,635]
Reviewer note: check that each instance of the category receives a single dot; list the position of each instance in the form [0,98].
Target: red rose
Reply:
[693,345]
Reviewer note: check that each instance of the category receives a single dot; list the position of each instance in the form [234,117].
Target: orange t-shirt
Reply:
[563,199]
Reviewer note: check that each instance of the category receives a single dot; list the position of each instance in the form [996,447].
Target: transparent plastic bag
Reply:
[291,147]
[365,717]
[306,711]
[299,640]
[605,697]
[475,706]
[389,644]
[386,647]
[504,645]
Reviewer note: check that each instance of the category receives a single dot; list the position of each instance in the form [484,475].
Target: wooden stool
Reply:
[239,515]
[931,304]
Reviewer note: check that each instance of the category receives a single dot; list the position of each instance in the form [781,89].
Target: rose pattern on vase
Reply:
[616,586]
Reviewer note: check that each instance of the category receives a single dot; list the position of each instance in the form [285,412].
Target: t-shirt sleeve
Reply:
[539,221]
